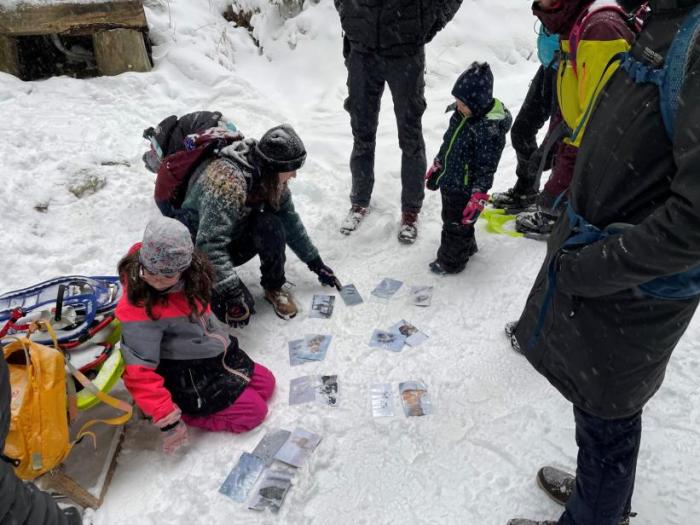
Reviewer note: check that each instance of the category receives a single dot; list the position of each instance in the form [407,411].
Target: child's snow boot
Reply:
[353,219]
[408,231]
[282,302]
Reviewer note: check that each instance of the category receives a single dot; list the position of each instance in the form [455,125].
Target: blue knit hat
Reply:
[474,87]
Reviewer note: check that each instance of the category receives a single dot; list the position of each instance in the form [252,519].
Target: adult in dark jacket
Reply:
[22,503]
[239,205]
[603,342]
[384,43]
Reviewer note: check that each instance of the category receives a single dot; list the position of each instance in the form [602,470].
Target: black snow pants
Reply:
[457,242]
[265,237]
[536,110]
[367,74]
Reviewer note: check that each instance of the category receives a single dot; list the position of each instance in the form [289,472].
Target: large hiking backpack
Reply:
[39,437]
[178,147]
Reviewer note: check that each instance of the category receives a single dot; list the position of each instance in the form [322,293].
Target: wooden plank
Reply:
[9,57]
[105,477]
[120,50]
[58,481]
[72,18]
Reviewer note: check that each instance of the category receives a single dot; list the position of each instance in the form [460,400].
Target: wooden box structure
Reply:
[117,28]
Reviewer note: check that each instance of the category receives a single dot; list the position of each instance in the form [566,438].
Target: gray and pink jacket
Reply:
[178,360]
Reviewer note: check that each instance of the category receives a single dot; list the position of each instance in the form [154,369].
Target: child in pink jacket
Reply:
[182,366]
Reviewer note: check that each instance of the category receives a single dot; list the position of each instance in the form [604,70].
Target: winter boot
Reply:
[439,268]
[535,224]
[510,334]
[408,231]
[282,302]
[559,485]
[513,201]
[520,521]
[353,219]
[556,483]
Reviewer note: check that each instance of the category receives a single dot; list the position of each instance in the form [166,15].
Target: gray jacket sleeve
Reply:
[667,241]
[141,342]
[297,237]
[20,502]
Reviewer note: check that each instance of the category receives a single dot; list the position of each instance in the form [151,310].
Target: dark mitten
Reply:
[325,275]
[236,308]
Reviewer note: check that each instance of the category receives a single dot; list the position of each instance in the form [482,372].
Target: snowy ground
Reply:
[496,420]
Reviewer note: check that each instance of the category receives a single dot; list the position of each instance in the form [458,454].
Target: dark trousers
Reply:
[607,462]
[264,236]
[367,74]
[457,241]
[534,113]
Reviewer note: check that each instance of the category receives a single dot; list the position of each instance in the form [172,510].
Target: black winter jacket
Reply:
[471,150]
[604,345]
[393,27]
[20,503]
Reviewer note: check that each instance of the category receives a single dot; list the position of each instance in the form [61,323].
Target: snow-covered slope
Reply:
[496,420]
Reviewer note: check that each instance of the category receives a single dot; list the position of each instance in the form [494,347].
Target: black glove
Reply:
[236,308]
[325,275]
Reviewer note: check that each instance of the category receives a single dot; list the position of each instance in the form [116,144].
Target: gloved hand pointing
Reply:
[325,275]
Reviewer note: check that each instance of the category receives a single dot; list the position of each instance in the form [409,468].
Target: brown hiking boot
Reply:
[409,230]
[282,302]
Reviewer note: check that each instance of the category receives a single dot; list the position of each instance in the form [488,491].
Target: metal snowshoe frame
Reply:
[81,312]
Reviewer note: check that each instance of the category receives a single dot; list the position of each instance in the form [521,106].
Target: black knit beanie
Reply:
[474,87]
[280,149]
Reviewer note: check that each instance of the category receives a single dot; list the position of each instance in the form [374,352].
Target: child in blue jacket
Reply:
[466,163]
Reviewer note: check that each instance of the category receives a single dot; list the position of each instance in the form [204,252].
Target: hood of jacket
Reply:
[560,20]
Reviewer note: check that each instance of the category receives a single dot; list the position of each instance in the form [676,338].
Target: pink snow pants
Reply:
[247,412]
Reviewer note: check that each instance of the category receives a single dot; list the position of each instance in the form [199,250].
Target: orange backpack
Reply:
[39,437]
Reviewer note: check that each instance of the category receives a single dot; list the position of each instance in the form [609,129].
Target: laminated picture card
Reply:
[387,288]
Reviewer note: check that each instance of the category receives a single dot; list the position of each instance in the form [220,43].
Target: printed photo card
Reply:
[415,398]
[387,288]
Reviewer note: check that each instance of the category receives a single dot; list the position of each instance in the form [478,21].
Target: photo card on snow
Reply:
[387,288]
[316,346]
[296,349]
[322,306]
[350,295]
[271,490]
[270,444]
[298,447]
[242,477]
[309,389]
[421,295]
[415,398]
[412,336]
[382,400]
[392,340]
